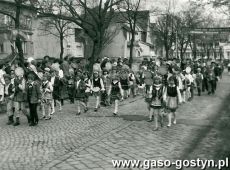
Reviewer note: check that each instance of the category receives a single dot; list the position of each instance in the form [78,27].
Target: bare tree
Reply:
[187,21]
[131,14]
[58,28]
[223,5]
[93,18]
[165,31]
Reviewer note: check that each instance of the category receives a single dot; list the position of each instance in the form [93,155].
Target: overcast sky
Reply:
[178,5]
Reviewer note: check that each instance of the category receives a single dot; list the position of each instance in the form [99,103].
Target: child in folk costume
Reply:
[171,97]
[199,80]
[124,80]
[180,81]
[34,96]
[138,81]
[80,88]
[47,97]
[183,87]
[8,97]
[57,87]
[148,79]
[156,101]
[71,86]
[115,92]
[107,81]
[87,81]
[132,82]
[97,87]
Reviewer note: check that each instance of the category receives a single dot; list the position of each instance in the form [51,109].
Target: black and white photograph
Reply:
[114,84]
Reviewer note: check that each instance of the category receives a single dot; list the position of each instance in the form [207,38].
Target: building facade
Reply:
[8,31]
[46,43]
[120,44]
[35,42]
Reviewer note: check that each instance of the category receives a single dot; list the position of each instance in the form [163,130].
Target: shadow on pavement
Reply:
[134,117]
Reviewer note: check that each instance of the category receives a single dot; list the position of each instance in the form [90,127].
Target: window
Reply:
[77,34]
[24,47]
[1,48]
[7,20]
[28,22]
[143,36]
[228,54]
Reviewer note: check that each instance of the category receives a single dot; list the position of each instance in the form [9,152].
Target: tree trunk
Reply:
[18,42]
[166,52]
[181,54]
[62,46]
[131,51]
[92,58]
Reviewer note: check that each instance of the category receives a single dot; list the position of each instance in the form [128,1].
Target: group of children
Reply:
[171,86]
[163,90]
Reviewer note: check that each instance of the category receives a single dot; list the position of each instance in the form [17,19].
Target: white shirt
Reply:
[189,77]
[61,74]
[52,80]
[78,82]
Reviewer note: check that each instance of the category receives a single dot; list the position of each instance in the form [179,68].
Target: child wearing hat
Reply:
[34,96]
[8,96]
[171,97]
[115,92]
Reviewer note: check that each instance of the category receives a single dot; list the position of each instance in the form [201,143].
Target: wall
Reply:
[117,48]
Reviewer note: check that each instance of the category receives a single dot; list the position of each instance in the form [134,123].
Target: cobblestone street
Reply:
[93,139]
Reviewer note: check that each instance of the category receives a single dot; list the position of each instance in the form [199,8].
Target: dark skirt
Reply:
[56,95]
[124,84]
[80,96]
[115,96]
[125,87]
